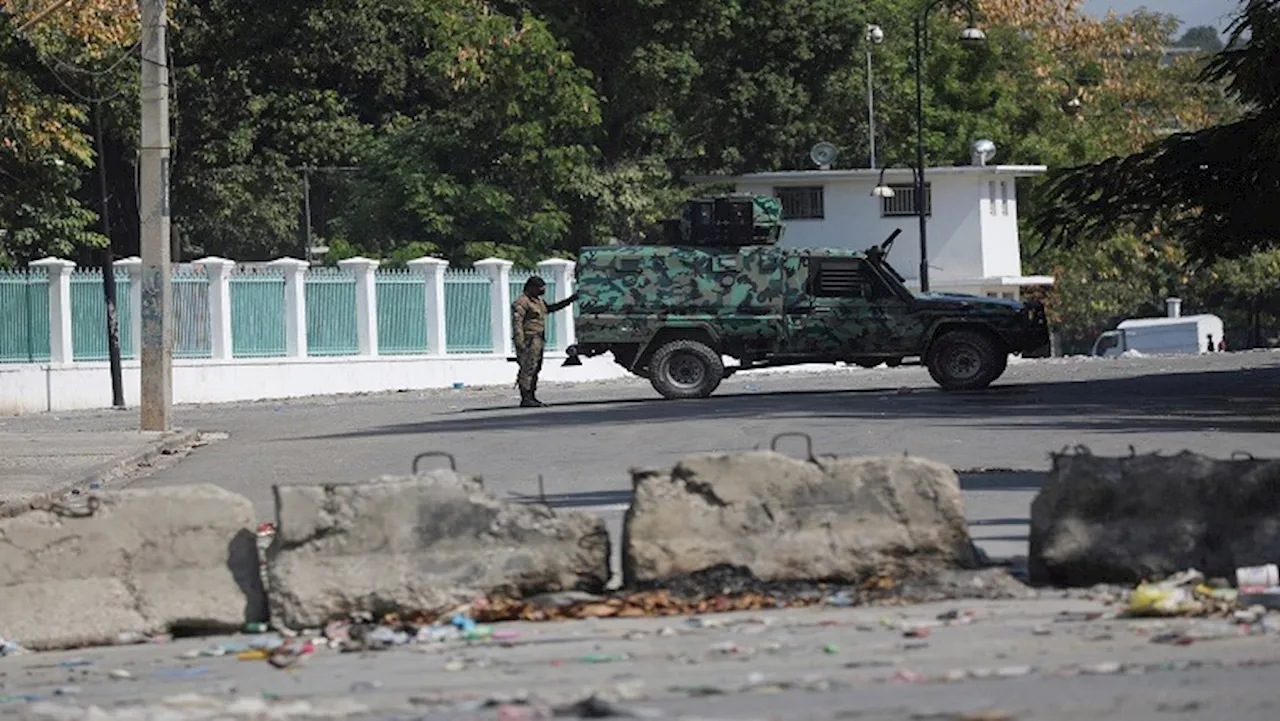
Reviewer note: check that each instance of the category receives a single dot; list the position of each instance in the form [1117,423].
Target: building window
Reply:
[903,201]
[991,195]
[800,203]
[1004,197]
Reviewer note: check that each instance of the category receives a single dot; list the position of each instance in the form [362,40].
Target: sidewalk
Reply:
[35,467]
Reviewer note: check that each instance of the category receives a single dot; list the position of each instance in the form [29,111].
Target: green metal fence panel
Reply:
[24,316]
[331,312]
[257,313]
[89,316]
[192,326]
[402,312]
[468,325]
[518,278]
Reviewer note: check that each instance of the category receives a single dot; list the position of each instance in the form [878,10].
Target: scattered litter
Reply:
[1266,576]
[74,663]
[604,658]
[10,648]
[291,654]
[831,649]
[1182,594]
[121,674]
[1102,669]
[1266,597]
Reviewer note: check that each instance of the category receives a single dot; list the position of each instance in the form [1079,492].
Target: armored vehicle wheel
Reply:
[966,360]
[685,369]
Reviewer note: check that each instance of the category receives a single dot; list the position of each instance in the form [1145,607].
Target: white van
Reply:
[1163,336]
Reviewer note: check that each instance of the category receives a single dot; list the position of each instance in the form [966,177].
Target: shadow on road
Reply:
[1238,401]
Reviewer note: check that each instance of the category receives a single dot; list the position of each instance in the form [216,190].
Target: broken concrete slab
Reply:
[1122,520]
[133,561]
[782,520]
[425,543]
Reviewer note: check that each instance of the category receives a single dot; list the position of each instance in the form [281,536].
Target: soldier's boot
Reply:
[533,394]
[527,400]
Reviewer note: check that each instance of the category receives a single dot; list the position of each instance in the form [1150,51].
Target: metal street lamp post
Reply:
[969,36]
[875,36]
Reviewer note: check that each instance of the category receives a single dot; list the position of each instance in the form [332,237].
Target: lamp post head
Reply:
[972,37]
[882,191]
[875,34]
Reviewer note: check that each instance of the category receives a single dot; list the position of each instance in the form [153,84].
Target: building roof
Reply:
[894,173]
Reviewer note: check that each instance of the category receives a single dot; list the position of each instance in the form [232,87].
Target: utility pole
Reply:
[156,343]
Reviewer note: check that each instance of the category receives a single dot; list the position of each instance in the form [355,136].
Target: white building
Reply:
[972,215]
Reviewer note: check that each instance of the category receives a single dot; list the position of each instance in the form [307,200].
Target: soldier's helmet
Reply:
[534,283]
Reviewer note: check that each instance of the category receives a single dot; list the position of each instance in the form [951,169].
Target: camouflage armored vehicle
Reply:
[718,284]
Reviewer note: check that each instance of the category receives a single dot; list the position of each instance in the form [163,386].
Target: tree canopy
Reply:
[1209,186]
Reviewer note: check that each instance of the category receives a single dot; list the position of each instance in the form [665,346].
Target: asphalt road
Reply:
[584,445]
[583,448]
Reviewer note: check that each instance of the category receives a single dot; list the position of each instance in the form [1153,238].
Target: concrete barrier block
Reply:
[130,561]
[782,519]
[426,543]
[1125,519]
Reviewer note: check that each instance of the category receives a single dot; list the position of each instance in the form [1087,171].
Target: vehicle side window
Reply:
[844,278]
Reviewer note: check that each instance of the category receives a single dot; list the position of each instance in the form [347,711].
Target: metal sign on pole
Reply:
[153,208]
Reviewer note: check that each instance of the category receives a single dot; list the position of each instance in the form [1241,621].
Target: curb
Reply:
[103,473]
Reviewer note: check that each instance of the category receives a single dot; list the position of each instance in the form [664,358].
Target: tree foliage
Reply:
[1209,186]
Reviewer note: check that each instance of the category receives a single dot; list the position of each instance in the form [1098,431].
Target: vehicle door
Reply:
[844,308]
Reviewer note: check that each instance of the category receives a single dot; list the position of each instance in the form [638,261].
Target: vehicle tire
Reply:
[966,360]
[685,369]
[867,362]
[893,362]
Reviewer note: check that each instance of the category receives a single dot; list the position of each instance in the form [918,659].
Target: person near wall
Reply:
[528,329]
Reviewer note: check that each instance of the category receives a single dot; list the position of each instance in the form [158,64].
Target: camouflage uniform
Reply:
[528,331]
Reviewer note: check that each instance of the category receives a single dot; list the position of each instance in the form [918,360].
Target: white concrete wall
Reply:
[38,388]
[1001,253]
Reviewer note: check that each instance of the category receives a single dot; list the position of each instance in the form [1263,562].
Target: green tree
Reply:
[1201,37]
[489,167]
[43,154]
[1208,187]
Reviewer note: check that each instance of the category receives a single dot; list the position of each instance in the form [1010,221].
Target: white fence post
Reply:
[499,271]
[295,305]
[133,266]
[433,270]
[366,302]
[560,272]
[218,271]
[59,272]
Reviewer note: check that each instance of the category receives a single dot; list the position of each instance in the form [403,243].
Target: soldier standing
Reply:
[528,330]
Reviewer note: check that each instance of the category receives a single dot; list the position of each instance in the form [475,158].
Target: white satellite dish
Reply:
[823,155]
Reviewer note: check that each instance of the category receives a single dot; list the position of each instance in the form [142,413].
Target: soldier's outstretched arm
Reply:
[553,307]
